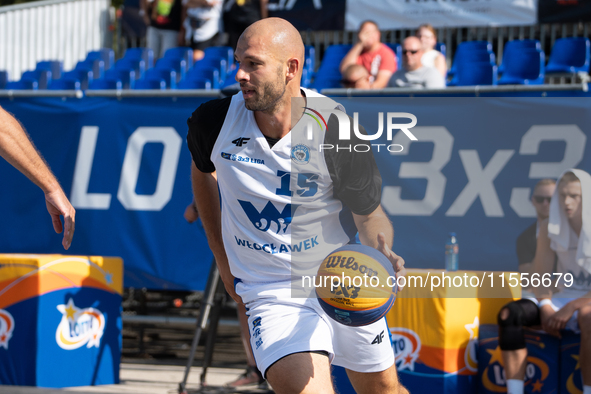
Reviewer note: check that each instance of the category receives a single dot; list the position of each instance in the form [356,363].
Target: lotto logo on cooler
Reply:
[345,130]
[79,327]
[6,328]
[407,345]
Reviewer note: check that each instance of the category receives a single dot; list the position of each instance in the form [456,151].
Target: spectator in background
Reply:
[413,74]
[356,77]
[201,22]
[431,57]
[163,18]
[377,58]
[527,241]
[239,14]
[133,28]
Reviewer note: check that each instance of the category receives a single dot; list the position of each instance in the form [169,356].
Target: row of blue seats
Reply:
[136,70]
[474,62]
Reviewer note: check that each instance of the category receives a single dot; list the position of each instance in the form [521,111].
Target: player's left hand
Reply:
[191,213]
[397,261]
[58,205]
[558,320]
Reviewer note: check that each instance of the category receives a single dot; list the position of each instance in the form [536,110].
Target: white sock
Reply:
[586,389]
[515,386]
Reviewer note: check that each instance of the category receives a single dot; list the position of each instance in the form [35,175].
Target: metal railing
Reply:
[63,30]
[453,36]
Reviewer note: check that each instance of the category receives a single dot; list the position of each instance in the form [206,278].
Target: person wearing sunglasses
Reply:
[563,247]
[413,74]
[377,58]
[356,77]
[527,240]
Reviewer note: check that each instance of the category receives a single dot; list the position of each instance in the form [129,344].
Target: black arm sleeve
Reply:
[356,179]
[204,127]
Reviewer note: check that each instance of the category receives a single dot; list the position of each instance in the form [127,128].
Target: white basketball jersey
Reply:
[279,216]
[567,263]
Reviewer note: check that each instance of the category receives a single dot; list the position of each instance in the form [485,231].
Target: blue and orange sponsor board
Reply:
[541,373]
[66,309]
[570,368]
[435,334]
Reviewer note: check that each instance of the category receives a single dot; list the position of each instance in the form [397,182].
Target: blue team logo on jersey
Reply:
[300,154]
[270,215]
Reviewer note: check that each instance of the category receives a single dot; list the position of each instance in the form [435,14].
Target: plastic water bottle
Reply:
[451,253]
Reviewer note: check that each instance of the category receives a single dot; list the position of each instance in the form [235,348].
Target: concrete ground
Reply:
[152,378]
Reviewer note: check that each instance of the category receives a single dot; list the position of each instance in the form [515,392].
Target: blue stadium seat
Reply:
[331,61]
[230,78]
[441,48]
[3,79]
[214,62]
[196,83]
[150,84]
[106,55]
[523,67]
[467,58]
[137,65]
[23,84]
[213,74]
[169,76]
[310,53]
[476,73]
[82,75]
[327,83]
[105,84]
[178,53]
[516,46]
[66,83]
[569,55]
[306,80]
[96,66]
[126,76]
[54,66]
[145,54]
[43,77]
[471,50]
[178,65]
[222,52]
[397,48]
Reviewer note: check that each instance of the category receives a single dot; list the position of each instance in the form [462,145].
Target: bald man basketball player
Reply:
[293,340]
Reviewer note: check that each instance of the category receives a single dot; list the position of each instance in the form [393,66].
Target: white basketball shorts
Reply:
[280,325]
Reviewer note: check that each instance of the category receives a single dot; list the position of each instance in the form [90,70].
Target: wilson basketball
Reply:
[356,285]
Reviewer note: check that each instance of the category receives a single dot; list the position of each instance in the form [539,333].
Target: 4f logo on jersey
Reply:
[6,328]
[378,339]
[240,141]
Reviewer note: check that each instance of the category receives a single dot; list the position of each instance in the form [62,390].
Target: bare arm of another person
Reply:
[351,56]
[264,9]
[18,150]
[441,65]
[205,190]
[375,230]
[382,79]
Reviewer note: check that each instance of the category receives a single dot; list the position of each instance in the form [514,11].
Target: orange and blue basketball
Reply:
[356,285]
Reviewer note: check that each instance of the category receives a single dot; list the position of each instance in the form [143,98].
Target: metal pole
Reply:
[210,290]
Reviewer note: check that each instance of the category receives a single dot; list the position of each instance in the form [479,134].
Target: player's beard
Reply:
[268,95]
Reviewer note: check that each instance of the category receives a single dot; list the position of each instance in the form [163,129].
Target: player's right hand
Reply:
[58,205]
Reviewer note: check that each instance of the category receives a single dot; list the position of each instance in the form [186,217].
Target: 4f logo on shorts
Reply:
[240,141]
[378,339]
